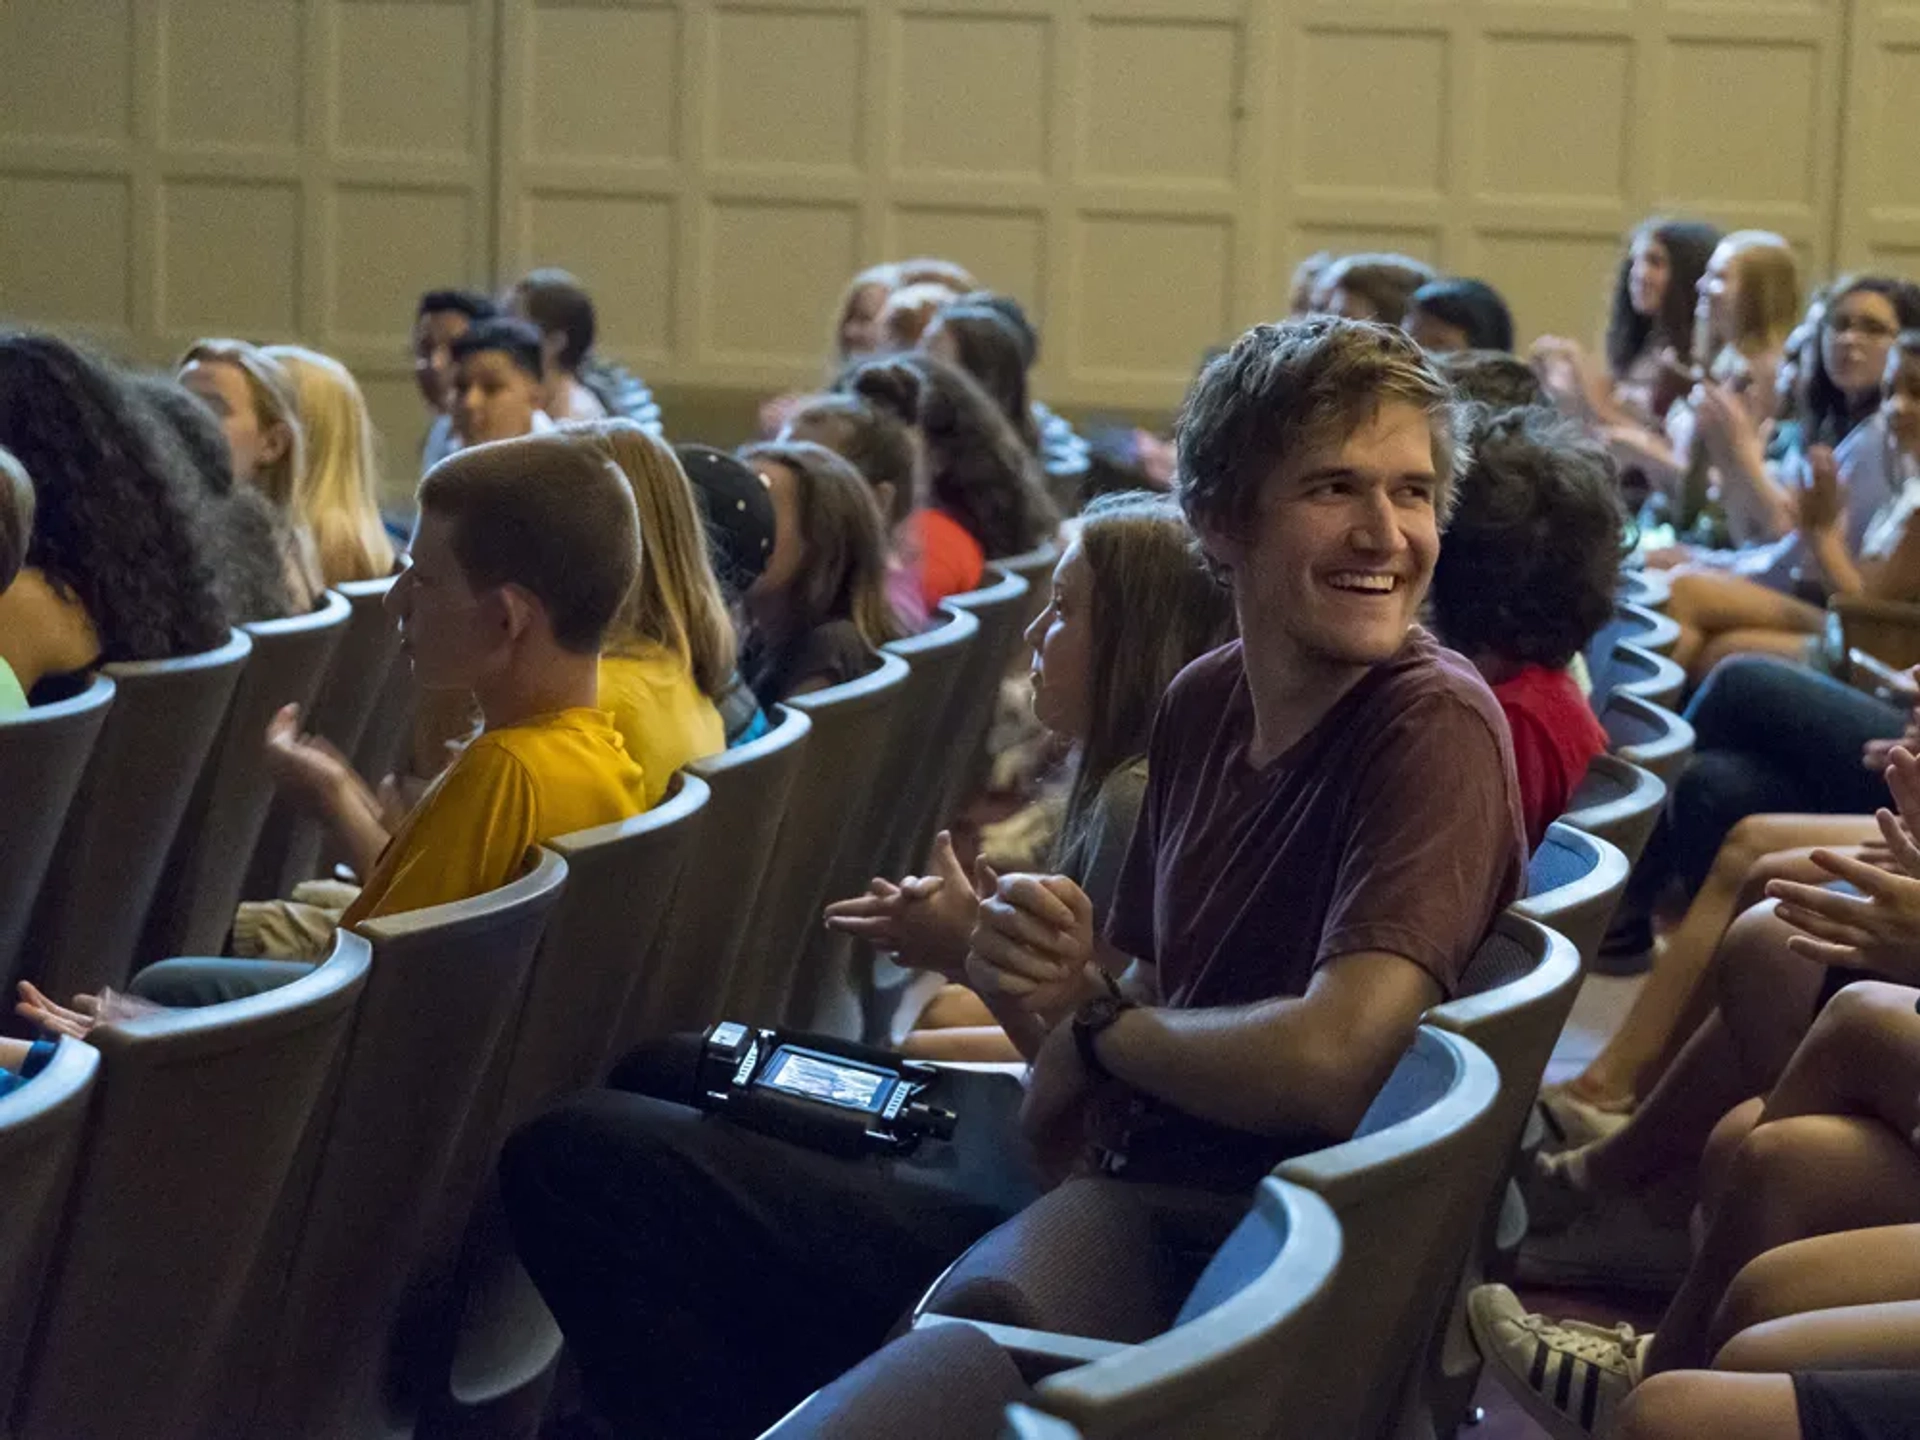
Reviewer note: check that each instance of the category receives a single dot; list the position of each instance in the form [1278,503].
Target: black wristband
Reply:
[1088,1021]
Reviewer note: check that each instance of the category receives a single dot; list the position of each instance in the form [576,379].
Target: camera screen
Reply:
[820,1079]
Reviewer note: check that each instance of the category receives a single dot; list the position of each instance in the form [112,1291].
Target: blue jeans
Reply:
[1771,737]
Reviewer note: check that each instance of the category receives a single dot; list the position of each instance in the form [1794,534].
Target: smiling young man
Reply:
[1331,821]
[1331,824]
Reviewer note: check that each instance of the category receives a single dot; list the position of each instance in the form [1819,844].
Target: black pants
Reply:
[1770,737]
[708,1278]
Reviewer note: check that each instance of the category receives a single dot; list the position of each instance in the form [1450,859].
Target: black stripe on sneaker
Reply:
[1563,1385]
[1537,1376]
[1590,1398]
[1547,1118]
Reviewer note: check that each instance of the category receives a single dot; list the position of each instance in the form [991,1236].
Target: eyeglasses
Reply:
[1865,328]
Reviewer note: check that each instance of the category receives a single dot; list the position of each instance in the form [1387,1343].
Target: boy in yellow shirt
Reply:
[522,555]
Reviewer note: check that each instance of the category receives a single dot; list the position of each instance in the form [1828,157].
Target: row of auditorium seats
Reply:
[291,1253]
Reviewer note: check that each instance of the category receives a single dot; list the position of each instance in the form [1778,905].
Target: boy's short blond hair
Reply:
[549,513]
[16,516]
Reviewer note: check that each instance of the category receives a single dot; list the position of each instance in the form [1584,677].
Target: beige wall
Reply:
[1143,173]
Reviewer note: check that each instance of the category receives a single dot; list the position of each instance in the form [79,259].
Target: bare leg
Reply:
[1767,994]
[1626,1065]
[1688,1404]
[1809,1175]
[1885,1336]
[1787,644]
[1862,1057]
[1708,602]
[1664,1139]
[1825,1273]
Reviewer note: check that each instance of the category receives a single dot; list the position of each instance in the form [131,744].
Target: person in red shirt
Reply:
[1527,575]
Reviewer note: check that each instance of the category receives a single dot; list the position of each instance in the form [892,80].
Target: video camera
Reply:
[829,1095]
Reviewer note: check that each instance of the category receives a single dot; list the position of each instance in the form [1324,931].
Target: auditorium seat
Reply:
[923,751]
[1646,735]
[949,1383]
[198,1119]
[1410,1190]
[1000,605]
[910,772]
[445,986]
[193,908]
[1618,802]
[40,1128]
[1407,1193]
[709,911]
[826,810]
[598,941]
[1514,1001]
[1654,678]
[1649,589]
[106,866]
[1036,567]
[1646,628]
[1574,881]
[288,850]
[43,754]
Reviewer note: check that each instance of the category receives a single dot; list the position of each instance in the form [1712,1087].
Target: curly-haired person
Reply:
[114,568]
[1525,577]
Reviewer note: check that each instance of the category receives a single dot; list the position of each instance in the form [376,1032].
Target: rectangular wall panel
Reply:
[1144,174]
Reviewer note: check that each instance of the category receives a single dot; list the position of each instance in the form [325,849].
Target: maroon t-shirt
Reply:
[1394,825]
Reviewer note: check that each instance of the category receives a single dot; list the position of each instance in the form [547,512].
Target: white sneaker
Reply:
[1571,1122]
[1569,1376]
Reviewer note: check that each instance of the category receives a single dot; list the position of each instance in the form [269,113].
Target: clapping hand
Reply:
[1877,752]
[1033,942]
[1878,929]
[925,919]
[87,1011]
[1818,503]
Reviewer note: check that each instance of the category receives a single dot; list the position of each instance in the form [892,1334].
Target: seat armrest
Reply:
[1038,1353]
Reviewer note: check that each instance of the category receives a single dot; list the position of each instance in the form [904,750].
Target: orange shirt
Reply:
[951,560]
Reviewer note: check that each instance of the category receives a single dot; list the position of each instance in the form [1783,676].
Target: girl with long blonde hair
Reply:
[669,654]
[338,492]
[253,398]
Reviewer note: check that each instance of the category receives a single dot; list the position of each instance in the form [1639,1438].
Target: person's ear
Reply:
[518,611]
[550,348]
[1221,547]
[275,441]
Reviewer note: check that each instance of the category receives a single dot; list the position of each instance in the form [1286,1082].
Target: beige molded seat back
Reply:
[1000,605]
[1514,1001]
[1574,881]
[198,1120]
[748,788]
[288,850]
[1646,735]
[193,910]
[43,755]
[106,867]
[599,940]
[1036,567]
[40,1128]
[826,813]
[1410,1191]
[1618,802]
[1654,678]
[446,985]
[921,768]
